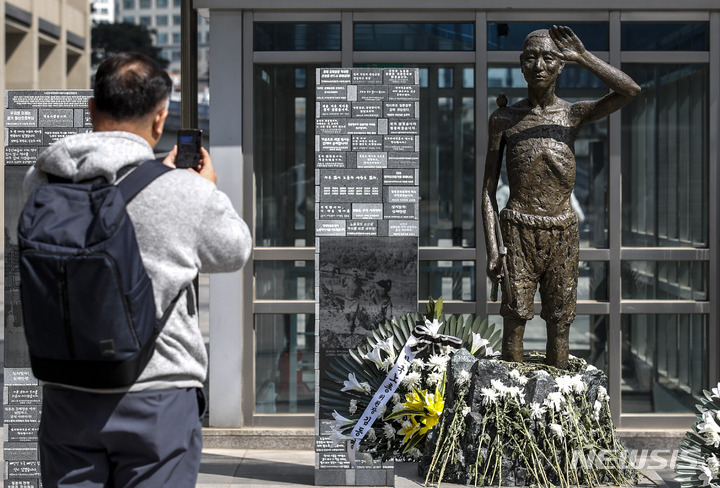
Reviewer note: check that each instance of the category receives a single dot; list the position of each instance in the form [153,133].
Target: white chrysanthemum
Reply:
[478,342]
[434,378]
[381,410]
[388,430]
[597,406]
[537,411]
[515,393]
[396,398]
[367,458]
[706,475]
[397,406]
[555,401]
[388,363]
[716,391]
[578,384]
[463,378]
[353,407]
[415,453]
[489,395]
[714,465]
[466,410]
[412,379]
[437,362]
[371,436]
[498,386]
[515,374]
[523,380]
[602,394]
[353,384]
[709,429]
[590,367]
[557,430]
[417,365]
[565,384]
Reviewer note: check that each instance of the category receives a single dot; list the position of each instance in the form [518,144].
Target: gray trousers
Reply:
[147,439]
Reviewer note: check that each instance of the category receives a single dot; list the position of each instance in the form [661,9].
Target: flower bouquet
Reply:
[698,462]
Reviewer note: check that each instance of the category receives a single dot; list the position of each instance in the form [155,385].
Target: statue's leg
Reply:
[558,345]
[512,345]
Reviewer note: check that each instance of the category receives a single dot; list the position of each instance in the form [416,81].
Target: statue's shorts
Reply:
[541,250]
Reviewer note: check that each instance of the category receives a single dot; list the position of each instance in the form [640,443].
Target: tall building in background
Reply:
[102,11]
[163,17]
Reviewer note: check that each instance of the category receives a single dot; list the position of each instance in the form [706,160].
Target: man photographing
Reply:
[148,434]
[538,225]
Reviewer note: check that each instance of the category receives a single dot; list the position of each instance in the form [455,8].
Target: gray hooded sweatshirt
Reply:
[184,226]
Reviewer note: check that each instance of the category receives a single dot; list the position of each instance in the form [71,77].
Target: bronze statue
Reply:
[538,225]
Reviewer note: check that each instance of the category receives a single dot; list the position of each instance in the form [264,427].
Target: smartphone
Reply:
[189,144]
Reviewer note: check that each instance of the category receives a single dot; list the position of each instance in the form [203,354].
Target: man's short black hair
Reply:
[130,85]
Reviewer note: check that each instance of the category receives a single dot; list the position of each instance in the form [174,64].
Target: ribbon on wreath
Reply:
[423,335]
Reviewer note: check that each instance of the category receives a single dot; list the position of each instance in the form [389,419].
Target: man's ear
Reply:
[91,109]
[159,123]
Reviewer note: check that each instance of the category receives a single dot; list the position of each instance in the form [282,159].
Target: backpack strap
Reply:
[139,178]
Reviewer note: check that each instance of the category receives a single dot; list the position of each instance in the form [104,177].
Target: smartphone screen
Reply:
[189,144]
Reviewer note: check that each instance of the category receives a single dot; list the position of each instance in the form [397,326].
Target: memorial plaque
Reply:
[330,159]
[409,110]
[331,126]
[367,76]
[400,177]
[21,414]
[14,395]
[407,143]
[330,76]
[23,469]
[362,126]
[403,228]
[21,156]
[51,136]
[56,117]
[333,143]
[20,451]
[21,483]
[326,93]
[350,186]
[24,137]
[367,109]
[400,210]
[402,194]
[363,142]
[367,211]
[333,109]
[401,76]
[372,93]
[330,227]
[372,160]
[404,126]
[361,228]
[82,118]
[403,160]
[47,98]
[335,211]
[21,432]
[20,117]
[19,376]
[404,92]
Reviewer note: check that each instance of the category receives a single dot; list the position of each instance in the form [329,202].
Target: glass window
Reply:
[177,3]
[146,20]
[451,280]
[284,363]
[176,55]
[664,362]
[285,280]
[176,38]
[162,38]
[667,36]
[145,3]
[162,3]
[285,155]
[176,20]
[511,36]
[591,146]
[161,20]
[665,157]
[297,37]
[129,19]
[414,37]
[128,4]
[664,280]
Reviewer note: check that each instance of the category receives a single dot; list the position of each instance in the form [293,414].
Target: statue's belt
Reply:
[539,221]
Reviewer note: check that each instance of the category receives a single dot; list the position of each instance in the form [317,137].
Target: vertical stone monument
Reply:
[34,119]
[366,265]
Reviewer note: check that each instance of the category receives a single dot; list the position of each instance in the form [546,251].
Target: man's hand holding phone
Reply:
[190,154]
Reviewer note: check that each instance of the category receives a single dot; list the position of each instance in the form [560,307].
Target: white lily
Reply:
[352,384]
[477,342]
[340,420]
[433,326]
[710,429]
[706,475]
[714,465]
[337,437]
[388,345]
[374,357]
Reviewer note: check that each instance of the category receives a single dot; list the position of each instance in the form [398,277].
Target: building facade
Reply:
[163,18]
[646,189]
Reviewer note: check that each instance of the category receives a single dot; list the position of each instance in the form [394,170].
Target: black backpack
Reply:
[87,301]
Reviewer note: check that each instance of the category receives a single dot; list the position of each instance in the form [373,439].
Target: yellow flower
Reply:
[409,428]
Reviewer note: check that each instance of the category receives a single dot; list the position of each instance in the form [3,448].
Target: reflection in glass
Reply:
[665,36]
[447,159]
[314,36]
[284,158]
[665,157]
[591,146]
[664,280]
[285,280]
[452,280]
[510,36]
[664,362]
[414,37]
[284,363]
